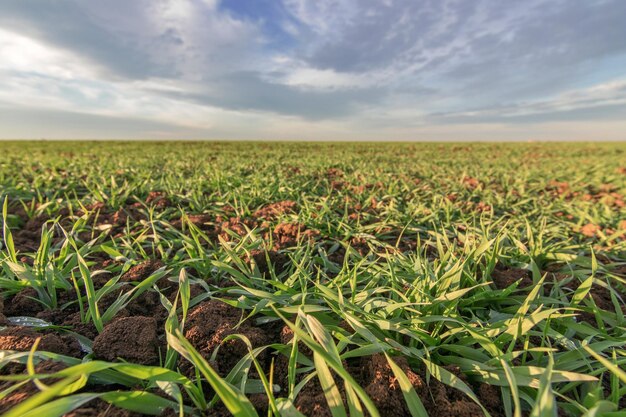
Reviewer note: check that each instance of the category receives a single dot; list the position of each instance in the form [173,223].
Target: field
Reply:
[316,279]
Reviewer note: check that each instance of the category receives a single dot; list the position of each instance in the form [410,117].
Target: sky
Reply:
[431,70]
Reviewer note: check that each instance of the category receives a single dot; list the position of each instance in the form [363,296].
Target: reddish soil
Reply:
[23,338]
[471,183]
[233,224]
[333,173]
[374,374]
[133,339]
[201,221]
[277,260]
[141,271]
[212,321]
[286,235]
[274,210]
[158,199]
[16,397]
[590,230]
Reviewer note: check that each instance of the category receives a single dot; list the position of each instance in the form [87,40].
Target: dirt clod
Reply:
[212,321]
[505,277]
[274,210]
[23,338]
[142,271]
[133,339]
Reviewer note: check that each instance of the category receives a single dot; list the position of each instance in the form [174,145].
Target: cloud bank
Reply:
[325,69]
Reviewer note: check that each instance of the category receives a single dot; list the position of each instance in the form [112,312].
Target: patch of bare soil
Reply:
[375,375]
[590,230]
[23,338]
[24,303]
[210,322]
[99,408]
[471,182]
[141,271]
[201,221]
[237,225]
[3,318]
[22,393]
[158,199]
[274,210]
[504,277]
[133,339]
[28,237]
[332,173]
[286,235]
[269,260]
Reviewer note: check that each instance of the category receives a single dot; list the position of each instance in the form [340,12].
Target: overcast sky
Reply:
[314,69]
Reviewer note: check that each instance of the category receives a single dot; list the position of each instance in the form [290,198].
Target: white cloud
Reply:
[341,68]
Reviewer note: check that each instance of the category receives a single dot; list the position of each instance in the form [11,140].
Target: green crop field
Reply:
[315,279]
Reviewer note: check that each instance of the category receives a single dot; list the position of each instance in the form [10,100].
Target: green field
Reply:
[316,279]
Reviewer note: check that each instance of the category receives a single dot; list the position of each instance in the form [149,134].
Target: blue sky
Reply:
[314,70]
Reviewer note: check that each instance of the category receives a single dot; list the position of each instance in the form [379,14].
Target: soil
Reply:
[99,408]
[505,277]
[158,199]
[3,318]
[133,339]
[374,374]
[24,303]
[25,391]
[209,323]
[590,230]
[277,261]
[471,183]
[237,225]
[201,221]
[141,271]
[23,338]
[274,210]
[286,235]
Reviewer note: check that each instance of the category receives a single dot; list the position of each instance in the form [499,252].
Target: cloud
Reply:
[345,68]
[600,102]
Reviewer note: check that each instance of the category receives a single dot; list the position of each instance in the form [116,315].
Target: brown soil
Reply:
[374,374]
[505,277]
[277,261]
[23,338]
[142,271]
[286,235]
[24,303]
[133,339]
[471,183]
[274,210]
[25,391]
[158,199]
[27,238]
[3,318]
[212,321]
[201,221]
[99,408]
[333,173]
[590,230]
[233,224]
